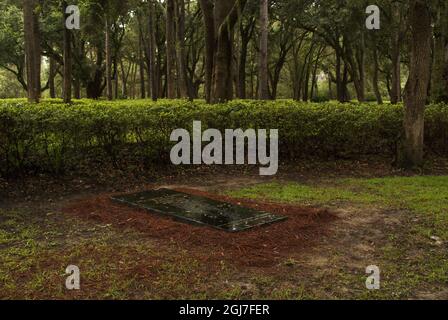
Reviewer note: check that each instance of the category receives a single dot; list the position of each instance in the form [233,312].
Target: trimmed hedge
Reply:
[53,137]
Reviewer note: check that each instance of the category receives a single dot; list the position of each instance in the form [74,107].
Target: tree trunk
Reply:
[108,61]
[94,86]
[77,88]
[314,83]
[33,51]
[330,87]
[226,14]
[341,85]
[395,93]
[78,50]
[396,76]
[170,50]
[141,62]
[124,78]
[154,74]
[184,88]
[307,72]
[263,67]
[439,86]
[222,73]
[375,81]
[116,78]
[67,86]
[246,33]
[355,62]
[51,76]
[242,70]
[361,78]
[209,23]
[416,90]
[133,79]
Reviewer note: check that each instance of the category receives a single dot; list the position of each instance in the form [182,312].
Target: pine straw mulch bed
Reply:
[259,247]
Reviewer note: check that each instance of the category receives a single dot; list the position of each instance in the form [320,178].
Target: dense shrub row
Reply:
[54,137]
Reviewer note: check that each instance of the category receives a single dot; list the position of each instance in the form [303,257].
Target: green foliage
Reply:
[53,137]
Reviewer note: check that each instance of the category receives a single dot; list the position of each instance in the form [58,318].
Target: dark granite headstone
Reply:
[199,210]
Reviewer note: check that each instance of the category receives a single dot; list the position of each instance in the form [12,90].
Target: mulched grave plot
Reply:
[258,247]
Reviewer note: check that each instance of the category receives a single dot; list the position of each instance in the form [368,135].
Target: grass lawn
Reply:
[411,263]
[399,224]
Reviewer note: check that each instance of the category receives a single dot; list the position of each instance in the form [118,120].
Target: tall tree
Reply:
[184,89]
[263,64]
[67,48]
[439,85]
[416,90]
[207,7]
[33,50]
[51,77]
[153,78]
[171,49]
[108,58]
[141,62]
[398,35]
[246,32]
[226,14]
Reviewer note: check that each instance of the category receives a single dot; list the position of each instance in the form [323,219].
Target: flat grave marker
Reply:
[198,210]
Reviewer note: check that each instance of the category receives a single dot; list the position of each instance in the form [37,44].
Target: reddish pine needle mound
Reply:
[259,247]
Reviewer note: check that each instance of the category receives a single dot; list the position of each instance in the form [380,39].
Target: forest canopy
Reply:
[317,50]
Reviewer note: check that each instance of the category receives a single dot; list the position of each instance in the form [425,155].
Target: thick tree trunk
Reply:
[416,90]
[171,50]
[67,86]
[108,61]
[222,74]
[33,51]
[94,86]
[219,20]
[263,64]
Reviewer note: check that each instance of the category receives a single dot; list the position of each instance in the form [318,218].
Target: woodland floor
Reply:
[343,217]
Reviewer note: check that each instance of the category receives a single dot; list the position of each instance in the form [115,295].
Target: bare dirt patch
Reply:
[259,247]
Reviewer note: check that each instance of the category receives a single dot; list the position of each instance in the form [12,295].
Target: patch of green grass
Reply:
[427,196]
[409,262]
[300,193]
